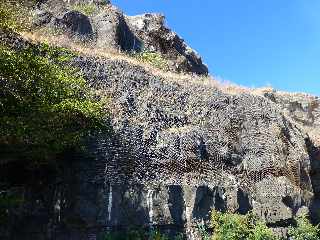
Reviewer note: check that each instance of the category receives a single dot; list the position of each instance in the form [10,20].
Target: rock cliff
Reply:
[180,145]
[107,27]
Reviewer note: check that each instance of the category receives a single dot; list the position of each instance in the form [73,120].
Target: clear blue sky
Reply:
[250,42]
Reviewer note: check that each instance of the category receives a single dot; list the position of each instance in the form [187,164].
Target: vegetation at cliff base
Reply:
[230,226]
[141,235]
[304,230]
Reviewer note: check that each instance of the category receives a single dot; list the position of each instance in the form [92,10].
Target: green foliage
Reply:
[85,8]
[15,15]
[304,230]
[179,236]
[139,235]
[132,235]
[261,232]
[228,226]
[60,55]
[45,108]
[153,58]
[156,235]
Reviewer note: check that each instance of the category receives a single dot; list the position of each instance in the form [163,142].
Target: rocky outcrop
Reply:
[156,37]
[115,31]
[189,134]
[77,23]
[112,31]
[304,109]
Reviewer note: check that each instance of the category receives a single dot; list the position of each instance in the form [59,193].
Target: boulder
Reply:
[41,17]
[112,31]
[77,23]
[157,37]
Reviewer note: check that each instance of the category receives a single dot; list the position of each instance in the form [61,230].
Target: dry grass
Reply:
[88,49]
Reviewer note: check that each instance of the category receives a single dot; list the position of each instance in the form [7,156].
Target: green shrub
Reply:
[153,58]
[261,232]
[15,15]
[304,230]
[203,232]
[131,235]
[229,226]
[45,107]
[139,235]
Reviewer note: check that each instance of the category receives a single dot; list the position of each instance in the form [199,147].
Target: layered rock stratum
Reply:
[180,147]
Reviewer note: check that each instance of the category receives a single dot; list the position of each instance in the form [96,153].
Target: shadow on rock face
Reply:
[244,202]
[206,200]
[77,23]
[314,153]
[176,204]
[203,203]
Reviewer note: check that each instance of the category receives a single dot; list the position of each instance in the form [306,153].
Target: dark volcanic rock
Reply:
[151,29]
[77,23]
[241,152]
[113,30]
[41,17]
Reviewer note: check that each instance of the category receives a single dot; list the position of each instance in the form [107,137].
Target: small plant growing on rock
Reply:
[87,9]
[153,58]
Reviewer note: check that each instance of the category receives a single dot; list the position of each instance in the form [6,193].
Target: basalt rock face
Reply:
[151,29]
[114,30]
[304,109]
[240,152]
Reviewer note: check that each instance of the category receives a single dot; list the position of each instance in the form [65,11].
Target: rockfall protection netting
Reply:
[173,131]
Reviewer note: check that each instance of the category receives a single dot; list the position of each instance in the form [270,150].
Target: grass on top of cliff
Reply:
[46,107]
